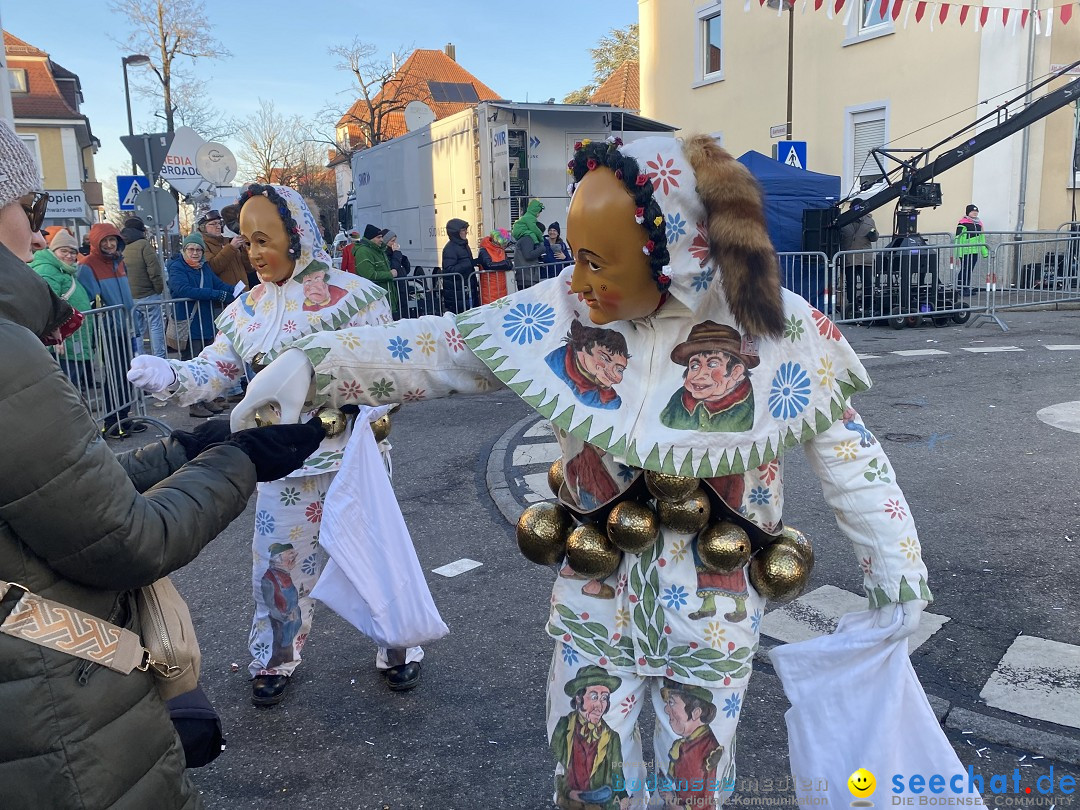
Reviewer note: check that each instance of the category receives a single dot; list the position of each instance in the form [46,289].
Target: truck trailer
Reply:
[482,165]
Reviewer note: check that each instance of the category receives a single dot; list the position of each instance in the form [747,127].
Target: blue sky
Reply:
[279,50]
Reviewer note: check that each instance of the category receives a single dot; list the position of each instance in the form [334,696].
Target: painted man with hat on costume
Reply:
[693,758]
[671,251]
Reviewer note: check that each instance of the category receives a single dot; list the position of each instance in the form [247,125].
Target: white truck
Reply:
[482,165]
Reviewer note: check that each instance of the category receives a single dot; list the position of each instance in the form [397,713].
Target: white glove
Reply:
[910,613]
[284,383]
[151,373]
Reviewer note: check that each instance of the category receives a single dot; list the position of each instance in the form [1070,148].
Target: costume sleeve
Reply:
[208,376]
[404,361]
[860,485]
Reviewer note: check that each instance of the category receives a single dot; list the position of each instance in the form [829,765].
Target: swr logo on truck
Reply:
[499,139]
[363,179]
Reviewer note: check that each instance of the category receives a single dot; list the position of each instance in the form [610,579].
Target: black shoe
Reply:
[200,410]
[268,690]
[213,405]
[403,677]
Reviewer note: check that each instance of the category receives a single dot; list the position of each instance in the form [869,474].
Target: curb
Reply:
[986,727]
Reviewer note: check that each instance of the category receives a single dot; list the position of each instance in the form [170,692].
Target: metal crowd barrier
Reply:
[1033,272]
[424,293]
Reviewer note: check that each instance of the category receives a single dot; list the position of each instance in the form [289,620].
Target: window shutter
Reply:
[868,135]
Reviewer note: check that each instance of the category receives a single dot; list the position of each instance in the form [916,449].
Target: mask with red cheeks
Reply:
[611,270]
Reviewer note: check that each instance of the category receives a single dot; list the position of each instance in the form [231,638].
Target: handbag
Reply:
[168,647]
[178,330]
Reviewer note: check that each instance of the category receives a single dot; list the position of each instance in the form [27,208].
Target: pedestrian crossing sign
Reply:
[791,153]
[128,187]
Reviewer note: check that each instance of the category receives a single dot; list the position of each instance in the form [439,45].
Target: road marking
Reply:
[541,430]
[456,567]
[918,352]
[525,454]
[868,356]
[1064,347]
[1064,416]
[1037,678]
[816,614]
[991,349]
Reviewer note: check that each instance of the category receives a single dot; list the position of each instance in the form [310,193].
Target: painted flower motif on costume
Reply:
[847,450]
[663,173]
[350,390]
[289,496]
[310,564]
[715,634]
[426,343]
[569,655]
[895,509]
[769,470]
[399,349]
[699,248]
[383,389]
[790,392]
[755,621]
[526,323]
[230,370]
[732,705]
[676,227]
[454,340]
[825,373]
[314,512]
[760,496]
[674,597]
[911,548]
[264,522]
[826,328]
[793,329]
[703,279]
[628,704]
[415,396]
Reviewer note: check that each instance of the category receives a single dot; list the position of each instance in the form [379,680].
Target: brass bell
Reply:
[724,547]
[687,516]
[779,573]
[556,476]
[666,487]
[791,536]
[632,527]
[541,532]
[590,553]
[381,427]
[333,421]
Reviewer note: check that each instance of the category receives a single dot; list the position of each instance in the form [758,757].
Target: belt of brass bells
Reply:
[334,422]
[546,534]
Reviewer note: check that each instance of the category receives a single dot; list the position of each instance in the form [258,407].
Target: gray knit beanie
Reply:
[18,170]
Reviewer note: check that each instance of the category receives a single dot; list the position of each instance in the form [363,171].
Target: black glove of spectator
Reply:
[224,296]
[212,431]
[277,450]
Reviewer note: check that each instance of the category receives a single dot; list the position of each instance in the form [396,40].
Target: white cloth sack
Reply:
[373,579]
[857,703]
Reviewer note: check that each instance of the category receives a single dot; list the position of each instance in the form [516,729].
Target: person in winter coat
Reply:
[300,294]
[348,261]
[227,257]
[634,616]
[527,224]
[190,276]
[457,259]
[57,266]
[230,215]
[527,258]
[104,276]
[85,527]
[371,262]
[493,265]
[857,267]
[147,286]
[970,246]
[556,251]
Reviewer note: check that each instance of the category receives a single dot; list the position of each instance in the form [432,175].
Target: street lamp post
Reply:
[789,7]
[134,59]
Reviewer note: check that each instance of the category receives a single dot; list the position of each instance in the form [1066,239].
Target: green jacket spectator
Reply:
[371,262]
[60,276]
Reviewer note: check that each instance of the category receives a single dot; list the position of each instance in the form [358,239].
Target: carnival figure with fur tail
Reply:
[666,530]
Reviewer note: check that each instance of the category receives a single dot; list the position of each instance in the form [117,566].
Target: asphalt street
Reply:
[994,495]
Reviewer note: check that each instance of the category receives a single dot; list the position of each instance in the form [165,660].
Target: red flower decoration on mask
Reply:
[577,145]
[591,163]
[642,179]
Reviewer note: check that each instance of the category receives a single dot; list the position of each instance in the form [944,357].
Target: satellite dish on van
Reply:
[417,114]
[215,163]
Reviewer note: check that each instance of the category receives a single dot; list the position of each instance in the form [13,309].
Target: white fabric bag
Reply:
[373,579]
[857,703]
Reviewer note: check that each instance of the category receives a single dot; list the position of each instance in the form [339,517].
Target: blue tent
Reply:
[788,192]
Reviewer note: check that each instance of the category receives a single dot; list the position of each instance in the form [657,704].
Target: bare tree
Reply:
[380,87]
[168,31]
[614,48]
[195,109]
[270,143]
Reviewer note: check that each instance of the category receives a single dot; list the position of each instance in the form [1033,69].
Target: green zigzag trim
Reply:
[582,430]
[705,467]
[619,448]
[534,400]
[564,419]
[520,388]
[603,439]
[632,457]
[687,467]
[507,375]
[924,590]
[547,410]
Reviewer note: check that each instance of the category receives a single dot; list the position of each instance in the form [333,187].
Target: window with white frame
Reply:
[867,130]
[17,80]
[710,47]
[34,146]
[869,21]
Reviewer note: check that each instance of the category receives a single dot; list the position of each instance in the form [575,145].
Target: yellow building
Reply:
[860,81]
[45,98]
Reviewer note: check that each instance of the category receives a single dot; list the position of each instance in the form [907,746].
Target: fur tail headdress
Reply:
[739,243]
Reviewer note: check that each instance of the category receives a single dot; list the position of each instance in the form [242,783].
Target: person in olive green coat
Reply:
[57,266]
[371,262]
[84,527]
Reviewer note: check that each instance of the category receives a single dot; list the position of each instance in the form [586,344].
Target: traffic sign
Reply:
[159,143]
[791,153]
[156,207]
[128,187]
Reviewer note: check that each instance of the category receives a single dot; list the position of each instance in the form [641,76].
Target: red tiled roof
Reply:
[621,88]
[44,99]
[421,67]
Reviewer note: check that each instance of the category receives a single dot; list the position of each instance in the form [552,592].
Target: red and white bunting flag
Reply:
[943,12]
[1004,16]
[1023,18]
[883,9]
[817,5]
[897,5]
[1066,13]
[920,9]
[984,15]
[963,13]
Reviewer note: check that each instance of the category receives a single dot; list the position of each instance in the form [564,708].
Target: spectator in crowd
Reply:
[556,252]
[348,262]
[84,248]
[857,267]
[57,265]
[230,216]
[970,245]
[457,259]
[226,257]
[147,286]
[78,530]
[104,276]
[493,265]
[371,262]
[527,257]
[190,276]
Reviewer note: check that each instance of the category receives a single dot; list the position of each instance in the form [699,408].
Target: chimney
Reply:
[450,51]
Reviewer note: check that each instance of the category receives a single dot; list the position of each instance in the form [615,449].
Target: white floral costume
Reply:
[655,627]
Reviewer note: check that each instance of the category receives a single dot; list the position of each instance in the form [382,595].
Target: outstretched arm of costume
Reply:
[405,361]
[860,485]
[210,375]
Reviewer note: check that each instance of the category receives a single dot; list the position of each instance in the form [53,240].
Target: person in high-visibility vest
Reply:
[970,245]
